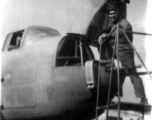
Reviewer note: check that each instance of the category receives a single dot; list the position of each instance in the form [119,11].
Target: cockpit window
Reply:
[13,41]
[72,51]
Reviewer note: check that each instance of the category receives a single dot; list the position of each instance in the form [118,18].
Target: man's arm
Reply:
[125,25]
[130,35]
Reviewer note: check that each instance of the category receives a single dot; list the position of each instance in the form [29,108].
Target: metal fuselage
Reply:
[39,81]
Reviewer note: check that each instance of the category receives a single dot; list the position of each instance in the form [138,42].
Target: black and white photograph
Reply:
[76,60]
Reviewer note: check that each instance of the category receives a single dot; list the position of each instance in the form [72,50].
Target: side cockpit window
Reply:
[13,41]
[72,51]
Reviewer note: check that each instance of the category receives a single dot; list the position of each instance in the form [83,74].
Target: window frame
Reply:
[75,57]
[9,39]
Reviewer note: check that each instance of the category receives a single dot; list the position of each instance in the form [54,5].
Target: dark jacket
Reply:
[125,50]
[123,43]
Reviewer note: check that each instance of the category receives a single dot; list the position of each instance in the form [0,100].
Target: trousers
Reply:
[127,60]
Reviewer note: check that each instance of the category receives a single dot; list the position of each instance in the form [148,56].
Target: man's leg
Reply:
[127,59]
[138,86]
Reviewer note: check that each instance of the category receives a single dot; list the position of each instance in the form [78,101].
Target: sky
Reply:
[140,18]
[19,14]
[148,46]
[59,14]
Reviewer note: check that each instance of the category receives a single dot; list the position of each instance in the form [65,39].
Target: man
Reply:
[126,54]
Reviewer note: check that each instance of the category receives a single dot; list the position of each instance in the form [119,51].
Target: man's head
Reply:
[113,14]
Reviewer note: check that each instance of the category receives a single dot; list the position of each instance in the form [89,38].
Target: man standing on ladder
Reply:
[126,53]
